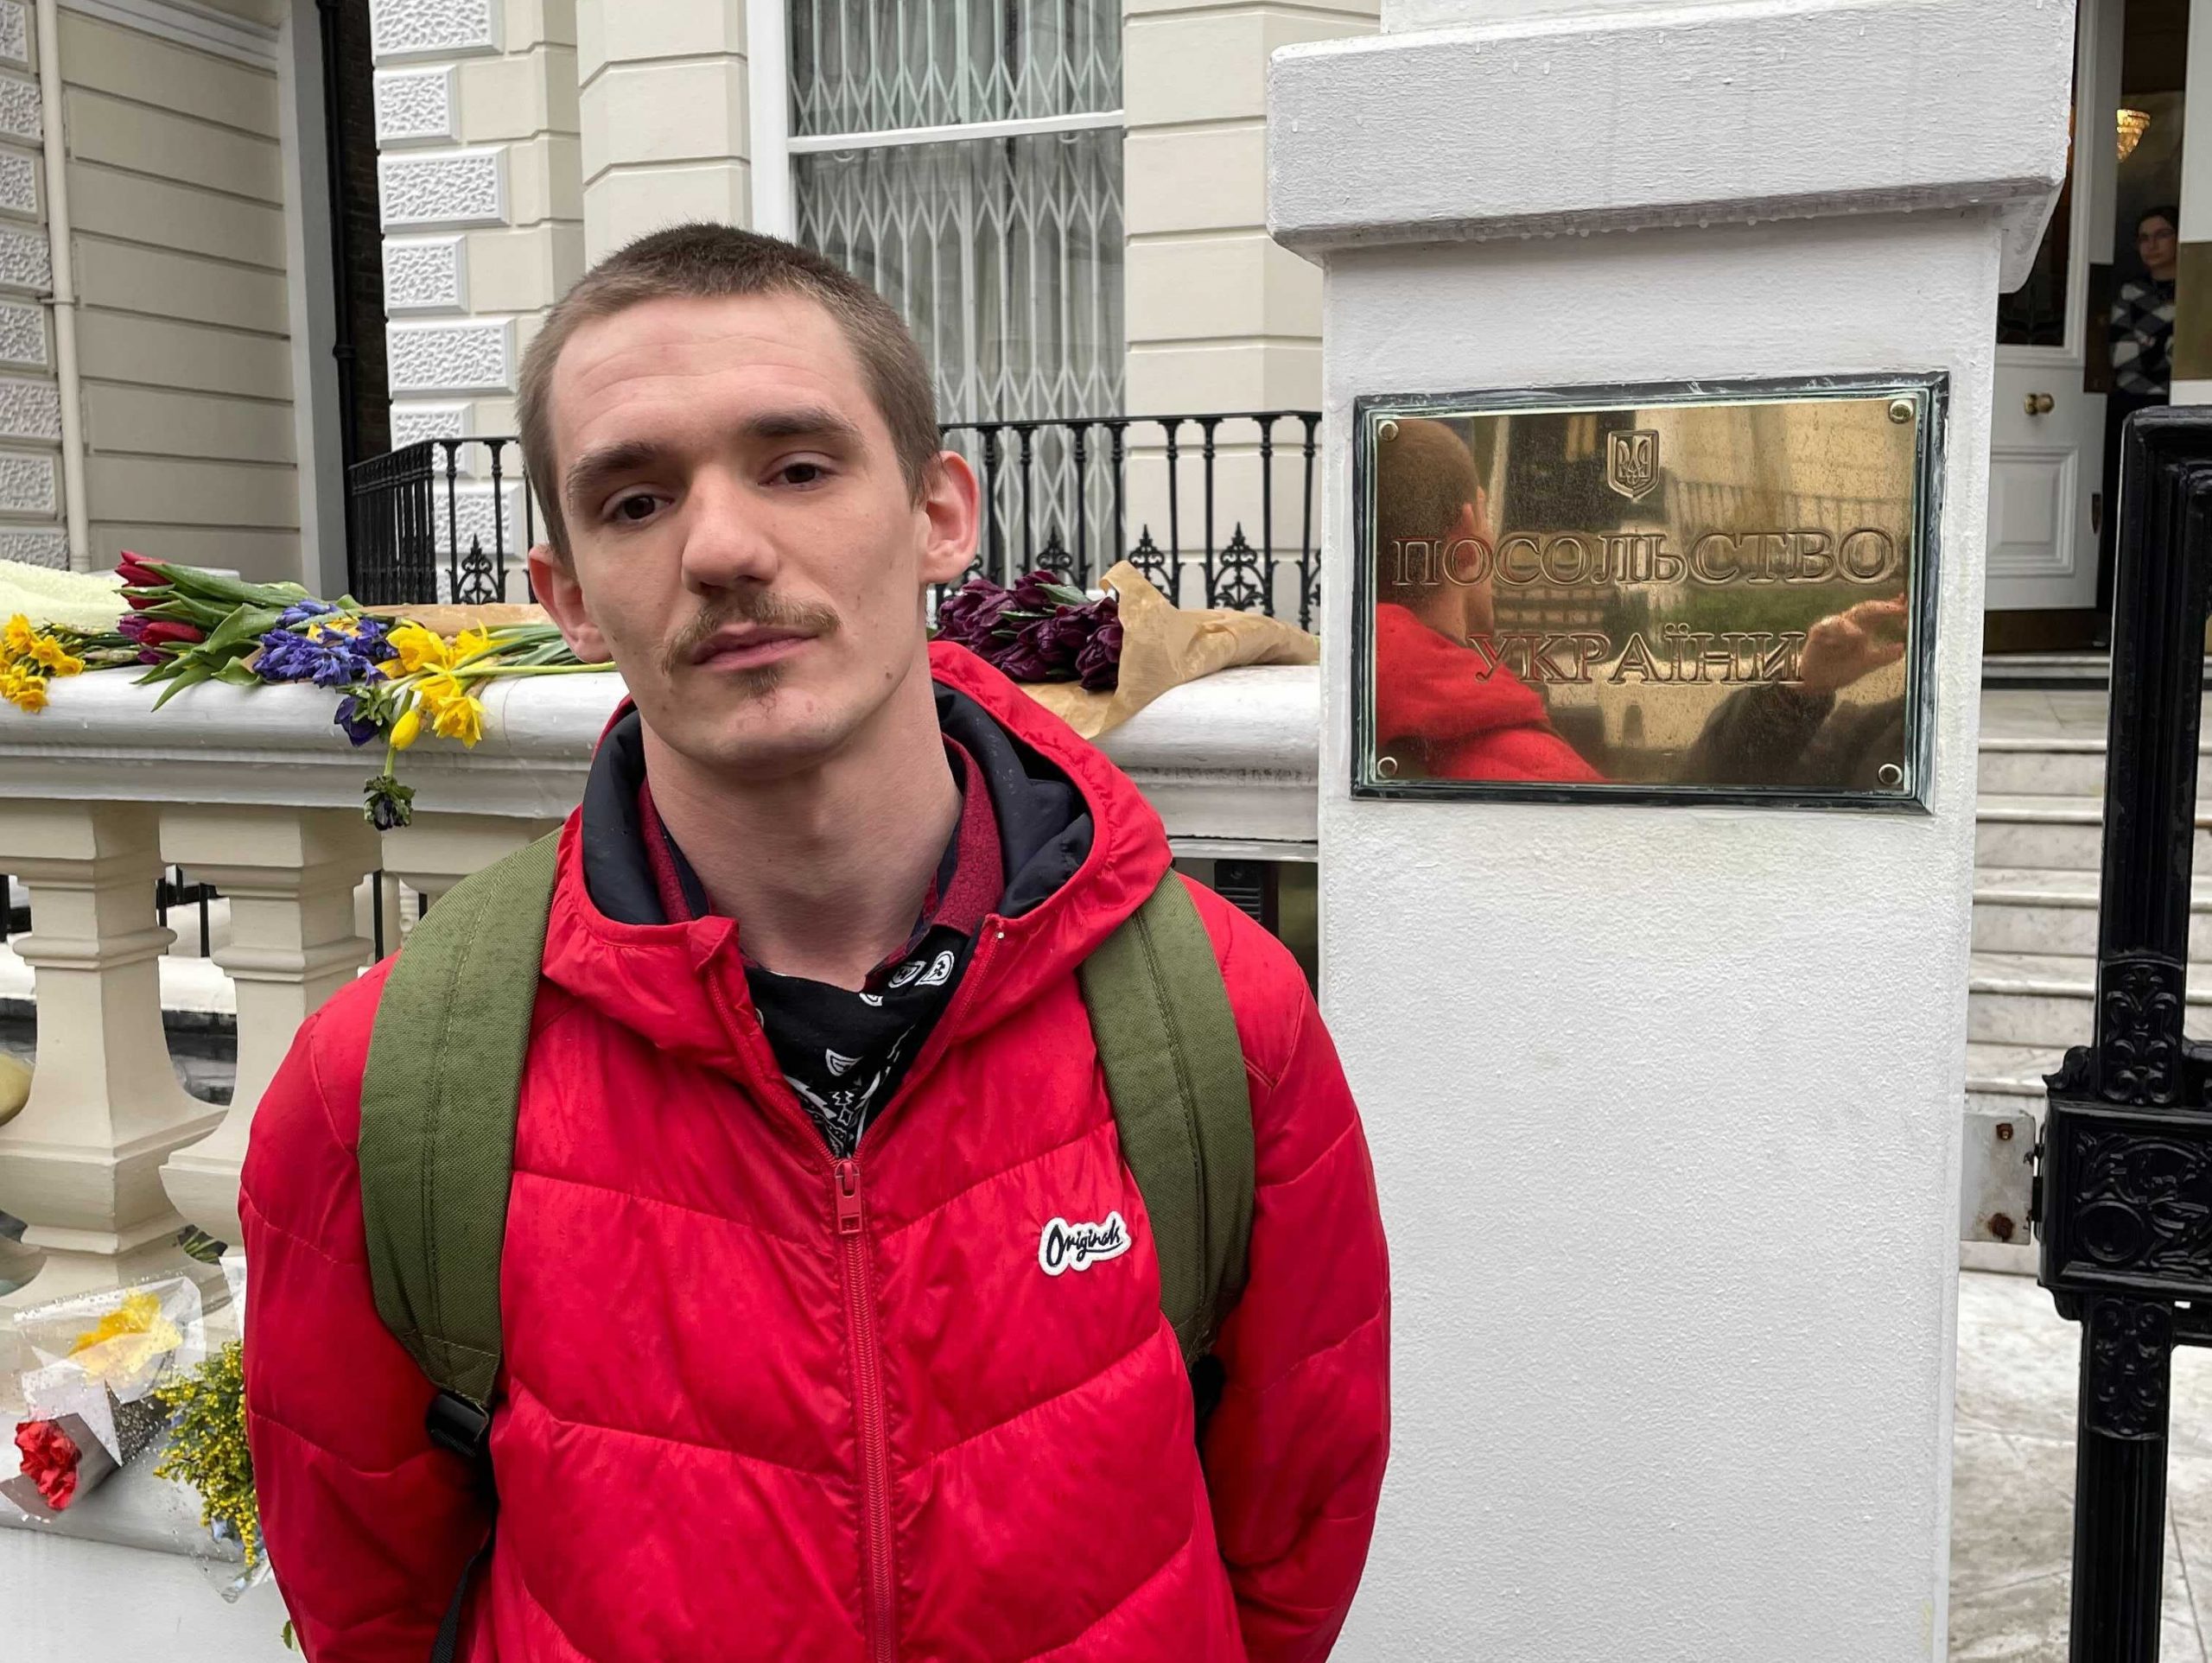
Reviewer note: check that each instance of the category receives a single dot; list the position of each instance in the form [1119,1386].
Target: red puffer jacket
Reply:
[700,1374]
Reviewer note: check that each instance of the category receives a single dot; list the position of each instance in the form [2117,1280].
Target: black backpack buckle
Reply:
[455,1424]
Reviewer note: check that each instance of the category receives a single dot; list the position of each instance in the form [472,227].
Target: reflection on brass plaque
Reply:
[1682,593]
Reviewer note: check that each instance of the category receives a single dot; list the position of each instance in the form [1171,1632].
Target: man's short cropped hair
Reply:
[1424,475]
[708,262]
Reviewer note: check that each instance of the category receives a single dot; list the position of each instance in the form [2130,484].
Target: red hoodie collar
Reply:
[679,985]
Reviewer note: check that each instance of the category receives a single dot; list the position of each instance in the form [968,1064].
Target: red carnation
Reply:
[50,1457]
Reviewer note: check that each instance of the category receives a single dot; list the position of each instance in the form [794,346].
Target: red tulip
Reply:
[137,575]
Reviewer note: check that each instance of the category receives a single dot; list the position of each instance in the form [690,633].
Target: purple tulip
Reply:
[1032,595]
[1099,664]
[969,614]
[1056,641]
[1021,662]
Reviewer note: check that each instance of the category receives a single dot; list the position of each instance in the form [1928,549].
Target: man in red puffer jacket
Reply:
[1443,709]
[810,968]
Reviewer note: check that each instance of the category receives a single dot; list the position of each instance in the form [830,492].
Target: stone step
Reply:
[2055,832]
[2045,1001]
[2017,910]
[2008,1079]
[2041,767]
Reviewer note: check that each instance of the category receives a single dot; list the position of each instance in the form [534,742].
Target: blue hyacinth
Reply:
[336,659]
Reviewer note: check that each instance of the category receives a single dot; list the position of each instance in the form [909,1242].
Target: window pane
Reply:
[1003,255]
[873,65]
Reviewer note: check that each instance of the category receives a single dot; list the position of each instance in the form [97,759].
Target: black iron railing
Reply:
[1233,493]
[441,519]
[175,890]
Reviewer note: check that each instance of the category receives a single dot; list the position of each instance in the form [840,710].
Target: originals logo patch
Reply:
[1078,1247]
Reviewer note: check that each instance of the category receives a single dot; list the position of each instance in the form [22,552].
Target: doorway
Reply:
[2059,397]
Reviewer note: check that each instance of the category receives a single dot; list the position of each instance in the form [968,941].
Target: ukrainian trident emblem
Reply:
[1632,462]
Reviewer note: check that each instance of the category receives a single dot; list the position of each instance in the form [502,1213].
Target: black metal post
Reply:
[1027,431]
[1174,424]
[2124,1188]
[993,561]
[1309,556]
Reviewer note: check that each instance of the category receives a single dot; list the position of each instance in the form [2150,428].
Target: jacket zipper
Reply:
[880,1616]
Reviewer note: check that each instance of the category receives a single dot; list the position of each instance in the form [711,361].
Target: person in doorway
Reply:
[812,1117]
[2140,339]
[2141,331]
[1444,707]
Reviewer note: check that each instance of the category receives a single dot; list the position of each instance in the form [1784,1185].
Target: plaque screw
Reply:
[1901,411]
[1386,430]
[2001,1226]
[1387,767]
[2004,1131]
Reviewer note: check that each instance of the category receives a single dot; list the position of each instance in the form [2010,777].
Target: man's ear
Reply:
[949,506]
[553,580]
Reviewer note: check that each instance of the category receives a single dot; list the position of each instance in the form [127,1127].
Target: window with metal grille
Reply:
[965,158]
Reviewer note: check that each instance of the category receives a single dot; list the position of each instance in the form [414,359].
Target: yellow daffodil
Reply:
[469,642]
[23,691]
[407,728]
[18,639]
[454,713]
[50,653]
[462,719]
[418,649]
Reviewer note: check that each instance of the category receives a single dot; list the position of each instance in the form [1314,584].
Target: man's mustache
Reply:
[763,609]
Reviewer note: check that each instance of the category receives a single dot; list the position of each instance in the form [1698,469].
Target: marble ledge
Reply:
[1230,762]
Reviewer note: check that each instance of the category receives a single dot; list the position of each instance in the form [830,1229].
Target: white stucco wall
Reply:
[1664,1102]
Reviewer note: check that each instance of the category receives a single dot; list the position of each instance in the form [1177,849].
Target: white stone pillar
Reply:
[664,107]
[289,875]
[81,1164]
[1664,1100]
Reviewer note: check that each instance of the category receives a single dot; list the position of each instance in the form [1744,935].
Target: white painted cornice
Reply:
[1550,120]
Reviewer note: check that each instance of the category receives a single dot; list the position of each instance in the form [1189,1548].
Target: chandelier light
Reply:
[2133,123]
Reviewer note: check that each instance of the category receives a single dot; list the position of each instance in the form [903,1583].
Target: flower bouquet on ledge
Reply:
[1096,662]
[395,676]
[92,1402]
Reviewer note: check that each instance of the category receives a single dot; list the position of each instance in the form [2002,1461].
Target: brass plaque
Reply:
[1684,592]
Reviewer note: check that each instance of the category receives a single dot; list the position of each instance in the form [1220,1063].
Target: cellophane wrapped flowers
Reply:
[91,1398]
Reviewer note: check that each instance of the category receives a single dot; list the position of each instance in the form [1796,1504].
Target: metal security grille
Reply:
[1004,255]
[877,65]
[964,158]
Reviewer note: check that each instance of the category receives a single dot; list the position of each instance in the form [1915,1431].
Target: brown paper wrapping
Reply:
[1164,646]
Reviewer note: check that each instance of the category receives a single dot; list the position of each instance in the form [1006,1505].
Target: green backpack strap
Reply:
[1175,1072]
[438,1106]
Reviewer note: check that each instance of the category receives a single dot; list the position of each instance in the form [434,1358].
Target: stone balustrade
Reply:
[253,791]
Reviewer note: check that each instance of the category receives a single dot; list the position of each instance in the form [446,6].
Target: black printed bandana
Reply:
[843,1052]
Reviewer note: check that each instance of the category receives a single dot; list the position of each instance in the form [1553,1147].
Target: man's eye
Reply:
[636,506]
[801,472]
